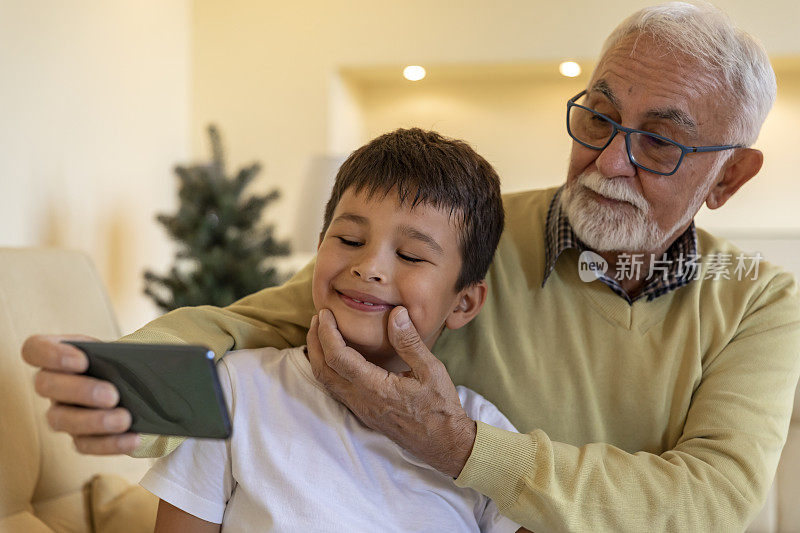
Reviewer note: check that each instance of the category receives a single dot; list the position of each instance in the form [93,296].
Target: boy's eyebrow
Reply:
[414,233]
[408,231]
[352,217]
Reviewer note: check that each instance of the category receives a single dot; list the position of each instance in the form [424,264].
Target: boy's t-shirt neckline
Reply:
[299,357]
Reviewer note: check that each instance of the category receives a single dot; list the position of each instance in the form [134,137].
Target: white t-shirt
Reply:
[298,460]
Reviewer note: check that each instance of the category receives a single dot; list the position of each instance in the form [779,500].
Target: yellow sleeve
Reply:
[277,317]
[716,477]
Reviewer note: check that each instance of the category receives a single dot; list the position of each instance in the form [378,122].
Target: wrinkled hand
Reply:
[81,405]
[418,409]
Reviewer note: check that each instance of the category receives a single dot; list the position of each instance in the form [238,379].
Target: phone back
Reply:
[169,389]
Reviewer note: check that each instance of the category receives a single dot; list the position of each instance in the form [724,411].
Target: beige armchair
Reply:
[781,512]
[45,484]
[787,480]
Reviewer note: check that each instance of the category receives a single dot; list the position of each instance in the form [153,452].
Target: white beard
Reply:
[628,227]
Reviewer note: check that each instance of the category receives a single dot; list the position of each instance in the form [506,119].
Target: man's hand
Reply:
[418,409]
[82,406]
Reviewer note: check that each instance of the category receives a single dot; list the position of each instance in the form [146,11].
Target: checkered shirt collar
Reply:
[561,237]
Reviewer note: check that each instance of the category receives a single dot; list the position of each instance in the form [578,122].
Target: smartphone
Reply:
[168,389]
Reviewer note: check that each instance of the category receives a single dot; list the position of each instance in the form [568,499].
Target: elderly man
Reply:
[652,387]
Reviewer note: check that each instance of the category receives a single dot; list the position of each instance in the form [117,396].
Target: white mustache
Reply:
[613,189]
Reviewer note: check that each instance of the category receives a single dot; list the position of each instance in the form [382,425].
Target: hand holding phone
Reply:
[168,389]
[81,406]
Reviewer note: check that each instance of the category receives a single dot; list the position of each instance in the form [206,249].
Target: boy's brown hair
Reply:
[425,167]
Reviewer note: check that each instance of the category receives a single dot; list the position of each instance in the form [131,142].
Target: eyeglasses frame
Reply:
[627,131]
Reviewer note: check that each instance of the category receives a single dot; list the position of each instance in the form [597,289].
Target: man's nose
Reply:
[613,159]
[369,267]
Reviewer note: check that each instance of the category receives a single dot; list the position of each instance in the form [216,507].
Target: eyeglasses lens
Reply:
[651,152]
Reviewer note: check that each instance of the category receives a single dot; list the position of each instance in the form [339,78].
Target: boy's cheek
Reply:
[419,318]
[317,291]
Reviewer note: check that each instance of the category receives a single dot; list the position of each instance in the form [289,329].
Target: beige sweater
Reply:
[667,415]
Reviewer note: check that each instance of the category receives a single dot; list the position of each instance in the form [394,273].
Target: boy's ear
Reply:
[467,304]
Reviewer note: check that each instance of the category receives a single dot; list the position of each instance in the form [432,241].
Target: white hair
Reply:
[707,34]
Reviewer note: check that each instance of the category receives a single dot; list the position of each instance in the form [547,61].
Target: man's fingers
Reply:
[49,352]
[329,335]
[107,445]
[345,361]
[315,355]
[324,374]
[82,421]
[76,389]
[312,338]
[334,349]
[407,343]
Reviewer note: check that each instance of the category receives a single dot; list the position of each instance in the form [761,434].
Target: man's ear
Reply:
[467,304]
[743,165]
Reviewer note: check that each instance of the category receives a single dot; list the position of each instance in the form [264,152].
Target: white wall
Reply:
[268,73]
[94,101]
[515,117]
[769,200]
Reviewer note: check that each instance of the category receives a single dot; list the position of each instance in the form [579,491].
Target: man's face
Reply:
[611,203]
[377,254]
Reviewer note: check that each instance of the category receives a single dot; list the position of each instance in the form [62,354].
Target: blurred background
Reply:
[100,99]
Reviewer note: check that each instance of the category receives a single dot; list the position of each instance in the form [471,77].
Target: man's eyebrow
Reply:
[352,217]
[416,234]
[678,117]
[602,87]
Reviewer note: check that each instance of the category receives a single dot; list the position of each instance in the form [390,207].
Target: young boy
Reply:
[413,220]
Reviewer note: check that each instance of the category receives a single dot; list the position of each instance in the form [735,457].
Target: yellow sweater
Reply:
[662,415]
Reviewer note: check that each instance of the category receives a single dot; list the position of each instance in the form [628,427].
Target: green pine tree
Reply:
[223,251]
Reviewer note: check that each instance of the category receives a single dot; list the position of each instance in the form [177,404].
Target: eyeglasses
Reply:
[647,151]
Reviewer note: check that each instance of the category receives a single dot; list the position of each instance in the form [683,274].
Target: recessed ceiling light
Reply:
[414,73]
[569,69]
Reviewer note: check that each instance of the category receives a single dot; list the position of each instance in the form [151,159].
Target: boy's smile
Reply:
[364,302]
[378,254]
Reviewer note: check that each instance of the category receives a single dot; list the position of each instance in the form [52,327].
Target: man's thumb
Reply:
[403,335]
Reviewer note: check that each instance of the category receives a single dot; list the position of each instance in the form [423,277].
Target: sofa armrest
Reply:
[24,521]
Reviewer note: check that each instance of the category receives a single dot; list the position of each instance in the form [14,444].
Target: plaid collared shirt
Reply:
[672,271]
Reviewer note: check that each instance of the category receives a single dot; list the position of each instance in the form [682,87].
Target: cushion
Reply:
[65,512]
[24,521]
[117,506]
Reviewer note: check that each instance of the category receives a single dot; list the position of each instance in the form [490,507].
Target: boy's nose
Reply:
[368,267]
[367,273]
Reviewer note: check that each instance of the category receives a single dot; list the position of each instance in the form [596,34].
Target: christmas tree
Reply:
[223,251]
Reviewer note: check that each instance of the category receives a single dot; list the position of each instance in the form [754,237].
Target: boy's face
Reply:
[377,254]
